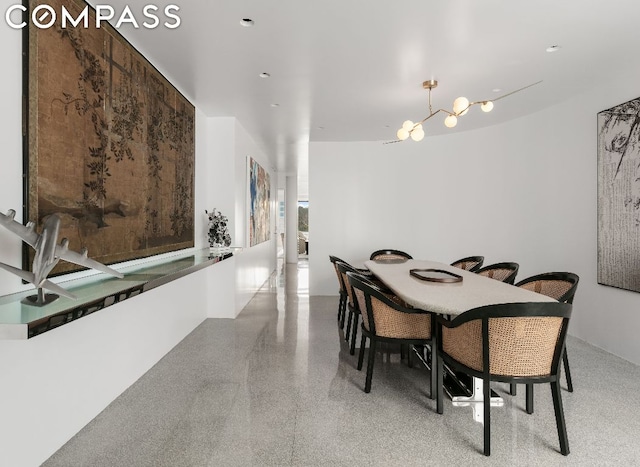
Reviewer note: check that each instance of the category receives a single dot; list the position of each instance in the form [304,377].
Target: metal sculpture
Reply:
[48,253]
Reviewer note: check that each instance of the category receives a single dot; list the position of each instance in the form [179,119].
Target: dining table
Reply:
[449,291]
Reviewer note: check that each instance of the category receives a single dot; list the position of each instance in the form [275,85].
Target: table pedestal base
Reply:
[476,394]
[476,399]
[461,388]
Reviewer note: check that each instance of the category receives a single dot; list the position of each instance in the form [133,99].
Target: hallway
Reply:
[277,386]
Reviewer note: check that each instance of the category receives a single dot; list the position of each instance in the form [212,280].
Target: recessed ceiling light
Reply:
[264,75]
[320,128]
[553,48]
[246,22]
[275,105]
[496,90]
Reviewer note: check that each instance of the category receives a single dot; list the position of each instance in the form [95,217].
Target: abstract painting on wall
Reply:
[110,143]
[259,199]
[619,196]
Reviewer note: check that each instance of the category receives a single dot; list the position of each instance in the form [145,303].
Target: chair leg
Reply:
[410,356]
[439,368]
[403,351]
[434,374]
[529,398]
[343,312]
[370,360]
[513,389]
[363,342]
[560,423]
[348,331]
[486,389]
[567,372]
[354,331]
[340,308]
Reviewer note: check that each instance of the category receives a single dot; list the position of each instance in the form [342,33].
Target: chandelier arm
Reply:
[429,116]
[513,92]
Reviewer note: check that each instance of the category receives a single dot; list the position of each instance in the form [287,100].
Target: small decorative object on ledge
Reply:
[219,238]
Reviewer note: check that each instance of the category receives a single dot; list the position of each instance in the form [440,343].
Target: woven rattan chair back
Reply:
[559,285]
[389,254]
[343,269]
[509,342]
[335,260]
[518,347]
[503,272]
[471,263]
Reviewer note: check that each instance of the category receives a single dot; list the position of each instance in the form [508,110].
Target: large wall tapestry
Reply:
[619,196]
[259,198]
[110,144]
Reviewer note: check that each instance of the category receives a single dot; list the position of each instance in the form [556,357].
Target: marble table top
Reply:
[447,298]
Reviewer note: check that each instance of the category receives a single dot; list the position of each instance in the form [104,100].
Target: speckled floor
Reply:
[277,386]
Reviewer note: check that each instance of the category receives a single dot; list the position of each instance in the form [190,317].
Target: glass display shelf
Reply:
[22,321]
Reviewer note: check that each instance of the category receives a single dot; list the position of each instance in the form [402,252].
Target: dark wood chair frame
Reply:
[354,310]
[342,304]
[371,290]
[390,252]
[470,259]
[567,297]
[506,265]
[505,310]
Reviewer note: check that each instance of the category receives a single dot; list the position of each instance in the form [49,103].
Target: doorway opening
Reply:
[303,229]
[280,224]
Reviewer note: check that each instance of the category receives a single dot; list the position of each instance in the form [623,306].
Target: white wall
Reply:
[11,144]
[522,191]
[253,264]
[225,178]
[55,383]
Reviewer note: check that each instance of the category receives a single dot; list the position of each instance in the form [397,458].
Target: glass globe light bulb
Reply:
[461,106]
[487,106]
[407,125]
[402,134]
[417,134]
[418,126]
[450,121]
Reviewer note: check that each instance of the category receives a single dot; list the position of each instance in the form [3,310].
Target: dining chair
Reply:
[559,285]
[389,254]
[342,288]
[503,272]
[470,263]
[385,319]
[508,342]
[352,306]
[342,303]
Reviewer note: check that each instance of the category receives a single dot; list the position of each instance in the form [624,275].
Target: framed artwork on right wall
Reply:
[619,196]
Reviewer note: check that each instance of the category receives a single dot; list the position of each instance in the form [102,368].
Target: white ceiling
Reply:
[352,70]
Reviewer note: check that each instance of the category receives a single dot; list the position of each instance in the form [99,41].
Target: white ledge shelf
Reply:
[21,321]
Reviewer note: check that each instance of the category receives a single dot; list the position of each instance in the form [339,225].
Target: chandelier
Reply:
[460,107]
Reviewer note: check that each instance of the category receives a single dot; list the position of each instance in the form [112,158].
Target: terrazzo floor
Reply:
[277,387]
